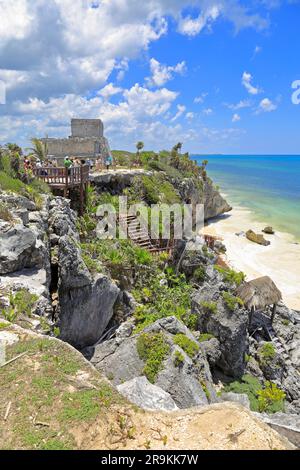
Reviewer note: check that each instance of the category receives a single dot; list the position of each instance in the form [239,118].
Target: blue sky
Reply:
[213,74]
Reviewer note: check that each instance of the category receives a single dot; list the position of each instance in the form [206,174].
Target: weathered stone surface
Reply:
[287,425]
[147,396]
[269,230]
[189,384]
[230,328]
[19,249]
[257,238]
[86,302]
[212,350]
[240,398]
[115,181]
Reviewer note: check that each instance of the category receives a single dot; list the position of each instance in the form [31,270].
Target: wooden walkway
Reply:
[64,179]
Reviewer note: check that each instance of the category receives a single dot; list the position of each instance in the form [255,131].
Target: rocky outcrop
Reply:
[230,327]
[198,191]
[147,396]
[25,254]
[86,302]
[117,180]
[187,379]
[269,230]
[257,238]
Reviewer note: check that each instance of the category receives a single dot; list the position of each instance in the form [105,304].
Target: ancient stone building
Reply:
[86,141]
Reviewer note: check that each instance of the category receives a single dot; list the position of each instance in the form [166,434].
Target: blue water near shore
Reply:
[268,185]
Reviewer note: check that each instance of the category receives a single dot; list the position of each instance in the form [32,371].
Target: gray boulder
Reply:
[240,398]
[188,380]
[85,302]
[229,327]
[147,396]
[19,249]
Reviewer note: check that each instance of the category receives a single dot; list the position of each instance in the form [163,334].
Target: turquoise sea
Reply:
[269,185]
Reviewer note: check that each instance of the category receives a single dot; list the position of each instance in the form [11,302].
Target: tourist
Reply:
[68,164]
[108,161]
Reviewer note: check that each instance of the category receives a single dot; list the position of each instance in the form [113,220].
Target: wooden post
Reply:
[66,182]
[273,313]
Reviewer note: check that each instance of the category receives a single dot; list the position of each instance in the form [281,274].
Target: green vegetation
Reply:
[199,274]
[189,347]
[209,307]
[118,256]
[166,296]
[266,353]
[231,276]
[44,409]
[178,359]
[20,303]
[5,213]
[153,349]
[205,337]
[205,389]
[271,399]
[268,398]
[248,385]
[231,301]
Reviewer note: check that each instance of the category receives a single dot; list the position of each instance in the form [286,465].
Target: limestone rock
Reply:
[147,396]
[257,238]
[230,328]
[189,384]
[240,398]
[269,230]
[19,249]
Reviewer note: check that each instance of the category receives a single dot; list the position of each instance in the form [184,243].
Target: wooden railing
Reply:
[63,177]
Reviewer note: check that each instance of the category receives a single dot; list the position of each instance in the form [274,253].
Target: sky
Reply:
[216,75]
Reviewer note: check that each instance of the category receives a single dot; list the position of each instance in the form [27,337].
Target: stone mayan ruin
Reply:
[86,141]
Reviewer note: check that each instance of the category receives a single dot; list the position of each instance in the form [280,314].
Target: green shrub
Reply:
[231,276]
[20,303]
[231,301]
[189,347]
[153,349]
[199,274]
[205,337]
[209,307]
[178,359]
[266,352]
[248,385]
[271,399]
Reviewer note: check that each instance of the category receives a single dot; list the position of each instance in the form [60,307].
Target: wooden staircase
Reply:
[140,235]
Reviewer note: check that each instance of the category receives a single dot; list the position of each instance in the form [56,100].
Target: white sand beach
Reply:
[280,260]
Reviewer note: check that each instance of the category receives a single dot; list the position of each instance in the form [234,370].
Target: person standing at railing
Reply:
[68,164]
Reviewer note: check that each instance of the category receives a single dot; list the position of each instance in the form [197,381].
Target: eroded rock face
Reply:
[86,302]
[189,383]
[229,327]
[147,396]
[202,192]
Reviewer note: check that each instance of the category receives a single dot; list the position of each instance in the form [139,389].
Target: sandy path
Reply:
[280,260]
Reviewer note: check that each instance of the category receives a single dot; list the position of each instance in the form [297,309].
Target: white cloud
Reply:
[207,111]
[190,116]
[110,90]
[193,26]
[246,81]
[200,99]
[240,105]
[161,74]
[180,110]
[266,106]
[16,20]
[236,117]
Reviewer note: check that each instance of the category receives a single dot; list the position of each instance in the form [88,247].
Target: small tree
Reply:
[39,149]
[139,147]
